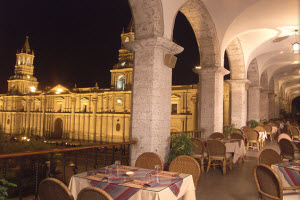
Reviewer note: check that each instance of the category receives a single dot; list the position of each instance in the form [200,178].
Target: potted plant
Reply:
[253,123]
[4,184]
[227,130]
[181,144]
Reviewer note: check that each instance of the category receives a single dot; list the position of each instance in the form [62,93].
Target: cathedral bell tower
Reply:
[23,81]
[121,74]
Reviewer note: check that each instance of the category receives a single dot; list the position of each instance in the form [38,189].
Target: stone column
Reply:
[264,104]
[151,96]
[93,128]
[271,105]
[73,101]
[254,103]
[28,116]
[210,103]
[238,101]
[277,107]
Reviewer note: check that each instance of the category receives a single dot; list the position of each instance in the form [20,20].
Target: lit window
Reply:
[121,83]
[123,63]
[127,39]
[174,108]
[58,91]
[119,101]
[28,76]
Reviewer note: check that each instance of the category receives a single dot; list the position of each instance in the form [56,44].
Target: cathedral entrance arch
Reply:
[58,128]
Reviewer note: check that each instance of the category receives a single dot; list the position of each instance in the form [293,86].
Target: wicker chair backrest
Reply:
[294,130]
[216,148]
[284,135]
[277,124]
[186,165]
[259,129]
[238,131]
[199,148]
[269,157]
[267,182]
[216,135]
[245,128]
[148,160]
[51,188]
[286,148]
[252,135]
[272,124]
[268,128]
[93,193]
[237,136]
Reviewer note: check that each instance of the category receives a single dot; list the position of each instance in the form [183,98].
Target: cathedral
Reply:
[89,114]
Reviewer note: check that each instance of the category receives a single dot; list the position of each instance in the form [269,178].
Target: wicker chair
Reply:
[93,193]
[261,137]
[148,160]
[238,131]
[269,157]
[287,150]
[235,135]
[267,182]
[295,131]
[268,129]
[186,165]
[216,135]
[199,151]
[217,155]
[252,139]
[284,135]
[51,188]
[245,128]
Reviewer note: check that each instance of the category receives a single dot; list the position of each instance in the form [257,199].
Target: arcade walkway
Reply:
[236,184]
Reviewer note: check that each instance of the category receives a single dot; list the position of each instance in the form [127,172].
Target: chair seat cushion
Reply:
[199,156]
[228,155]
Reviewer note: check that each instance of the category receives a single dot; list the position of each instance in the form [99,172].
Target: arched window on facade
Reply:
[121,83]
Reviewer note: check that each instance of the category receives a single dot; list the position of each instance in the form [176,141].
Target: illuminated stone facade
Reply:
[92,114]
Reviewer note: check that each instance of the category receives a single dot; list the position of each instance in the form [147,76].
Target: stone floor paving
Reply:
[237,184]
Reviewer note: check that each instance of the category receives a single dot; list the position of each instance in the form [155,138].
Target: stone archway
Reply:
[58,128]
[253,92]
[264,96]
[237,83]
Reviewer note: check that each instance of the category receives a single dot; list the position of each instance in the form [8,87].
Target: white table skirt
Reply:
[187,190]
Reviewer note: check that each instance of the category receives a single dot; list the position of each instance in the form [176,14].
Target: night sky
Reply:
[77,41]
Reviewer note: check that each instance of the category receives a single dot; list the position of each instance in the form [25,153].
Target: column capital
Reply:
[155,42]
[234,82]
[211,70]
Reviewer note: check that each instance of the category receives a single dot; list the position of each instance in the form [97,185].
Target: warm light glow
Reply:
[296,47]
[28,140]
[288,30]
[58,91]
[197,67]
[32,89]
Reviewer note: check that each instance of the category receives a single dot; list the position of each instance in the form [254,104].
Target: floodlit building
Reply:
[91,114]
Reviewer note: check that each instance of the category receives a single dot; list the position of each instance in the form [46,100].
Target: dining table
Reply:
[288,172]
[234,146]
[297,143]
[142,184]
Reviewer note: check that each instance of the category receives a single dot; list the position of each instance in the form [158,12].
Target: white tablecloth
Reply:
[274,129]
[287,194]
[281,125]
[263,135]
[187,189]
[237,148]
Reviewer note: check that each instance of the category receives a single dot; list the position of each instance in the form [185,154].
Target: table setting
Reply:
[126,182]
[288,172]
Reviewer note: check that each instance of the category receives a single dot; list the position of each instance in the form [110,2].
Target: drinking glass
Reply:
[157,169]
[148,176]
[117,163]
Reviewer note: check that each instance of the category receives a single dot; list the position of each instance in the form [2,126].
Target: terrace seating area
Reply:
[206,170]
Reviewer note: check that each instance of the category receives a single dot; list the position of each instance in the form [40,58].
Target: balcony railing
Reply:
[193,134]
[53,163]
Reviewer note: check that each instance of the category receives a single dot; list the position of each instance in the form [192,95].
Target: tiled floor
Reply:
[237,184]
